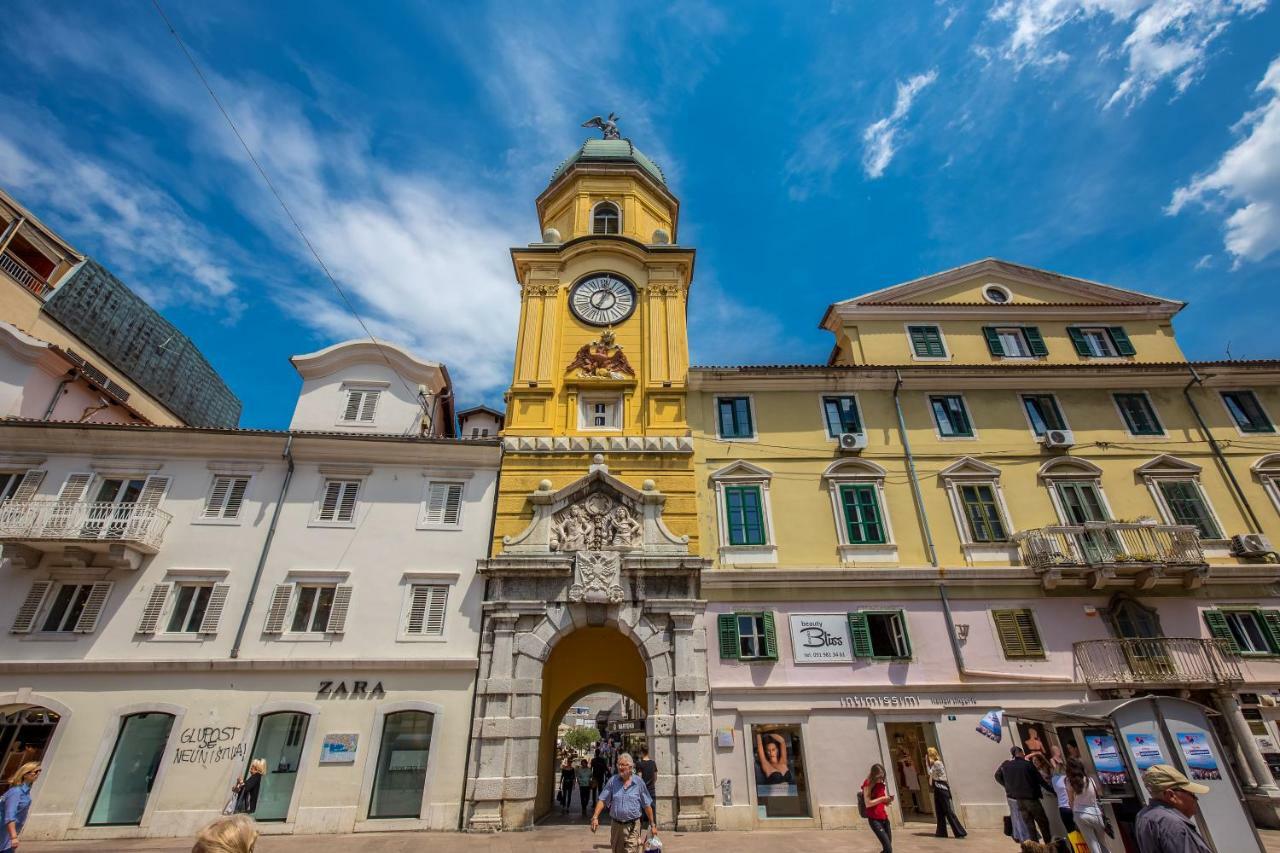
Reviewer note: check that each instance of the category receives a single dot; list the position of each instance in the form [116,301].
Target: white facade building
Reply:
[179,601]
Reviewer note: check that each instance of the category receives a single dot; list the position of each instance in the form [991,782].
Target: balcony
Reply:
[1113,553]
[1157,661]
[24,275]
[84,532]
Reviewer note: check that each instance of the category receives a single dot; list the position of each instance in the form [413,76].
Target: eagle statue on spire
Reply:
[608,126]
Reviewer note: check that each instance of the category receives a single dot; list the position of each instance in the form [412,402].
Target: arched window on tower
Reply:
[606,219]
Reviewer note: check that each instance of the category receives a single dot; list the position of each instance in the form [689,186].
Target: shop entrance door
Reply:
[24,736]
[907,745]
[279,743]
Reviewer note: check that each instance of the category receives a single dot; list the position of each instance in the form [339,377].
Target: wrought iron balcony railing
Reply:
[1159,660]
[52,521]
[24,275]
[1109,543]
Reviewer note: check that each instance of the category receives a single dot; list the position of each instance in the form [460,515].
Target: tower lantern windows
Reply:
[606,219]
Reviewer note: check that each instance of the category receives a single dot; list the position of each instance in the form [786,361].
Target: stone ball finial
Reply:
[661,237]
[551,235]
[544,486]
[649,485]
[598,459]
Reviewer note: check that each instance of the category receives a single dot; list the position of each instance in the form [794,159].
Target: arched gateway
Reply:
[595,593]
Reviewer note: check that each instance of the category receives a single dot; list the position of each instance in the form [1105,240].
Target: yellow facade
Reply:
[549,398]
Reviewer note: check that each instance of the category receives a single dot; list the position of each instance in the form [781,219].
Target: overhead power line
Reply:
[346,300]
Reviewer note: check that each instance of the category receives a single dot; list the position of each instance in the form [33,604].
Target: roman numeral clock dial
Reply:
[602,300]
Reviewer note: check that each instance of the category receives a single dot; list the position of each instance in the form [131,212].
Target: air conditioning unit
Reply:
[852,442]
[1251,545]
[1059,438]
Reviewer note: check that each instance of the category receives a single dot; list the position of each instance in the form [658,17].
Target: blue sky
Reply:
[820,150]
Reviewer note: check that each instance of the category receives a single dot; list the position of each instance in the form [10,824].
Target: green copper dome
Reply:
[610,151]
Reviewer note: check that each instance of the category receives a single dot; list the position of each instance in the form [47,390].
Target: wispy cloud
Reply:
[1245,183]
[1164,39]
[880,137]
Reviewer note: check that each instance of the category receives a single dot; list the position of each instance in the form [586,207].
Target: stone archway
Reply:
[595,558]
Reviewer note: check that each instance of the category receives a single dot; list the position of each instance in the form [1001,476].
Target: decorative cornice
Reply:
[242,665]
[597,444]
[540,289]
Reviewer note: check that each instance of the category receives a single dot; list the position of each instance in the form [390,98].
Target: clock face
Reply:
[602,300]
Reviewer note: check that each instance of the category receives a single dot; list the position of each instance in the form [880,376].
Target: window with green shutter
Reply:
[1246,411]
[1187,506]
[861,505]
[744,515]
[747,636]
[1015,341]
[1247,631]
[1101,341]
[880,634]
[1138,413]
[926,341]
[1017,632]
[982,512]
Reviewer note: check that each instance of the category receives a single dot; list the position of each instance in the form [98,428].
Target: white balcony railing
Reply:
[32,522]
[1109,543]
[1158,660]
[24,275]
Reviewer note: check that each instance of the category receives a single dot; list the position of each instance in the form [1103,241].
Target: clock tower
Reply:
[593,582]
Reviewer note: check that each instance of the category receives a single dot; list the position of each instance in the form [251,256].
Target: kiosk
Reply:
[1118,739]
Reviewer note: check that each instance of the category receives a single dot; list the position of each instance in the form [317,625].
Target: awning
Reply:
[1092,713]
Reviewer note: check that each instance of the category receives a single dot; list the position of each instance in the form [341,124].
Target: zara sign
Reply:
[821,638]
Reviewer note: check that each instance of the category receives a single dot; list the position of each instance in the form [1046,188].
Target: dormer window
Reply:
[360,406]
[606,219]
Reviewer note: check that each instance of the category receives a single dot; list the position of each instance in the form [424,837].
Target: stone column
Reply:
[1254,764]
[494,686]
[695,781]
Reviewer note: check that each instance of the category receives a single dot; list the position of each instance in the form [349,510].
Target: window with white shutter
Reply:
[30,609]
[426,610]
[153,609]
[226,497]
[361,405]
[20,485]
[338,501]
[444,504]
[74,607]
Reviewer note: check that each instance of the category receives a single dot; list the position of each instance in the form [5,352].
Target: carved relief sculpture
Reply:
[596,575]
[596,523]
[601,359]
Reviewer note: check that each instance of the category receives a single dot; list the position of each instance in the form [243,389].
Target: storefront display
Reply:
[131,771]
[279,743]
[779,770]
[402,765]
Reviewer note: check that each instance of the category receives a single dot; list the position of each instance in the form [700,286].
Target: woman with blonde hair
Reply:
[941,788]
[247,793]
[16,803]
[234,834]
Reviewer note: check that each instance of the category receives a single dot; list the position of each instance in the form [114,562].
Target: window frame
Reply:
[295,602]
[362,386]
[171,605]
[414,580]
[1057,407]
[220,520]
[617,209]
[970,472]
[904,629]
[991,285]
[767,633]
[751,415]
[1270,633]
[1019,333]
[746,488]
[933,417]
[942,339]
[743,473]
[857,410]
[1267,470]
[1167,512]
[1271,424]
[1161,433]
[318,508]
[1015,612]
[1076,474]
[51,597]
[587,401]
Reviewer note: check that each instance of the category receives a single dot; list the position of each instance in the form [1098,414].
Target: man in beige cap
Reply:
[1167,823]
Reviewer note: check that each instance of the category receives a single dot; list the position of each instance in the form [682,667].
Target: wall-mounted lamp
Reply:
[962,632]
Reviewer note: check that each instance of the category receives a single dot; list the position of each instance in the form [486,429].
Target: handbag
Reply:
[1008,826]
[230,807]
[862,802]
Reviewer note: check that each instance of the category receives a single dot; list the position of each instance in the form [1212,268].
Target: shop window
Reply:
[747,636]
[1017,632]
[1247,631]
[1246,411]
[131,770]
[733,417]
[279,743]
[841,415]
[402,765]
[1138,413]
[24,736]
[781,785]
[951,416]
[880,635]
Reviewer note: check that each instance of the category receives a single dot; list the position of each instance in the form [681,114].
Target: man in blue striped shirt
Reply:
[627,798]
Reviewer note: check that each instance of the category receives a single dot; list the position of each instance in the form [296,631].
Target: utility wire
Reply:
[289,213]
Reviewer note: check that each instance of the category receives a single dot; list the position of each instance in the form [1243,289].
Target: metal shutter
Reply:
[213,610]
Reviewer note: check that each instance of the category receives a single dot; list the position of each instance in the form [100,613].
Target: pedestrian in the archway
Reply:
[626,798]
[583,775]
[648,770]
[599,770]
[567,780]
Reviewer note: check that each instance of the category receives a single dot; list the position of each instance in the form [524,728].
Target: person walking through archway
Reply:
[626,798]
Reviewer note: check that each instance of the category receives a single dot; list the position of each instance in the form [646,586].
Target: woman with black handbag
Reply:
[942,806]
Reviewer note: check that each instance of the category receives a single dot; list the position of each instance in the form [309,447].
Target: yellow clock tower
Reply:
[602,352]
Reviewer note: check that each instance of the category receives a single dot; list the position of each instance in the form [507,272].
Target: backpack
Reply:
[862,802]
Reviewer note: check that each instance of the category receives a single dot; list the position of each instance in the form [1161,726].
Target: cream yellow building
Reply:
[1006,489]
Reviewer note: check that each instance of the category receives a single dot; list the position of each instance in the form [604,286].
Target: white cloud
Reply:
[1164,39]
[1246,180]
[880,137]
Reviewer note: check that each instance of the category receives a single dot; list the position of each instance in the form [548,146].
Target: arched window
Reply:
[132,769]
[606,219]
[402,765]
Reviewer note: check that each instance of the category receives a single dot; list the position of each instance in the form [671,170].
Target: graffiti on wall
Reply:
[206,745]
